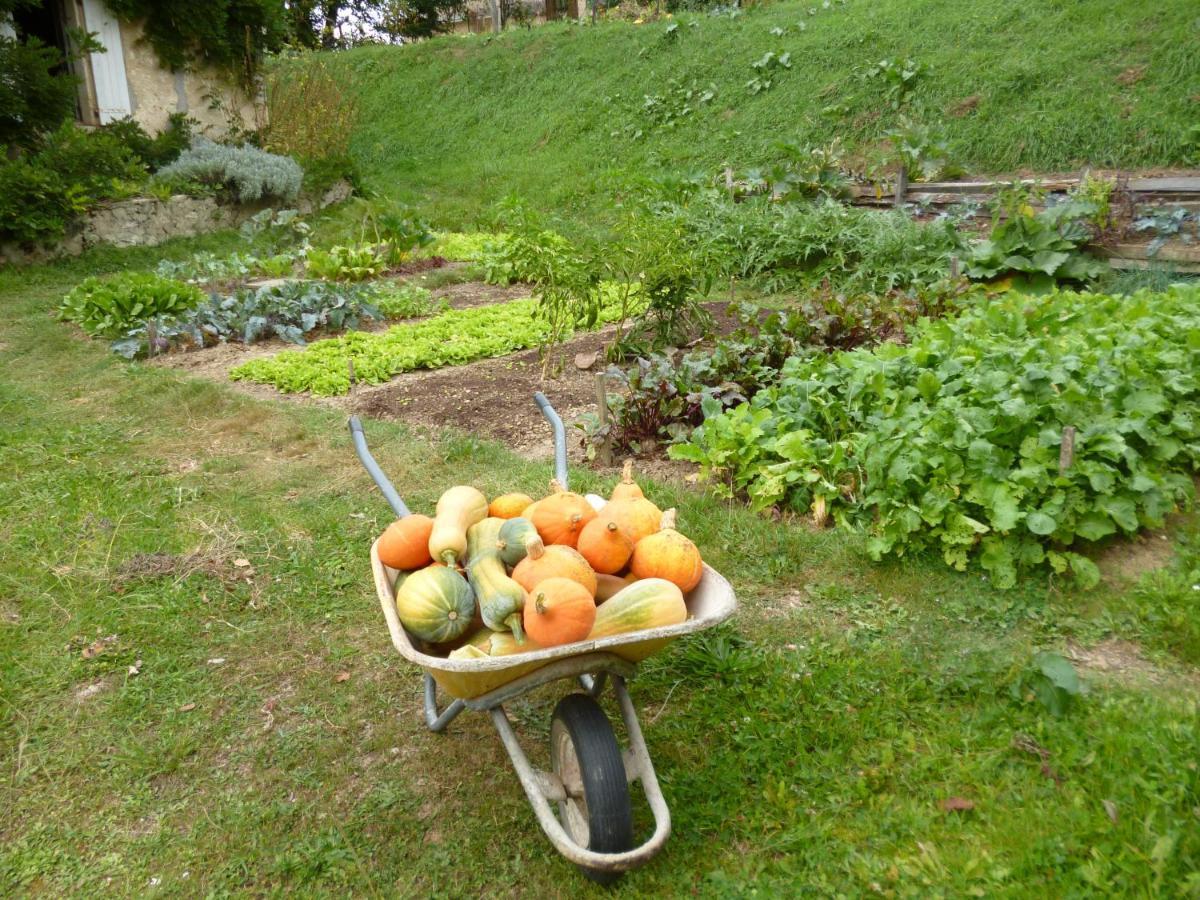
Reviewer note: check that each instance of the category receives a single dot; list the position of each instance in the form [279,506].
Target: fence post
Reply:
[901,185]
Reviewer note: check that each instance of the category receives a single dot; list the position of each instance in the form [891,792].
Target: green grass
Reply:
[454,124]
[806,749]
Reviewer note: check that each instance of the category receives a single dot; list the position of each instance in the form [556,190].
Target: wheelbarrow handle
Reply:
[560,437]
[372,467]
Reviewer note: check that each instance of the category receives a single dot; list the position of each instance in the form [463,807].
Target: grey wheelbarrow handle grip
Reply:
[560,437]
[372,467]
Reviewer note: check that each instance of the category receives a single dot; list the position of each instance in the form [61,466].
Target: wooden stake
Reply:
[350,369]
[152,337]
[729,181]
[901,185]
[604,454]
[954,270]
[1066,453]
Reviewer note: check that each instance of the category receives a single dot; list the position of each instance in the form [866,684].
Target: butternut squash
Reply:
[500,598]
[458,509]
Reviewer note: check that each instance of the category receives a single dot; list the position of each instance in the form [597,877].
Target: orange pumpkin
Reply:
[557,561]
[627,488]
[668,554]
[405,543]
[560,517]
[636,516]
[606,548]
[509,506]
[611,585]
[559,611]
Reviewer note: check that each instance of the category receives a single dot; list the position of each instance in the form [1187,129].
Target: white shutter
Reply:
[108,69]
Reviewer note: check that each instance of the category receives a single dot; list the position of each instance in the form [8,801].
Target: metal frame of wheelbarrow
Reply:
[593,667]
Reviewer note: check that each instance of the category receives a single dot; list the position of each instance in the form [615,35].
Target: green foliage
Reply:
[290,312]
[457,246]
[767,69]
[678,101]
[413,19]
[396,231]
[665,277]
[785,246]
[953,442]
[232,34]
[108,307]
[408,301]
[347,263]
[207,268]
[1037,248]
[563,279]
[33,98]
[899,78]
[664,399]
[453,338]
[1051,680]
[246,172]
[41,193]
[923,148]
[153,152]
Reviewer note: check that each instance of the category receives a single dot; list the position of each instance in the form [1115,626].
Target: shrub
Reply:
[248,173]
[41,193]
[955,442]
[36,204]
[311,115]
[153,152]
[109,307]
[32,98]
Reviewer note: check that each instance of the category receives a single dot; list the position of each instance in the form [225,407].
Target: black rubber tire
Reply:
[602,772]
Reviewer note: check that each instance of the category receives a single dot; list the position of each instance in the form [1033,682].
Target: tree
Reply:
[409,19]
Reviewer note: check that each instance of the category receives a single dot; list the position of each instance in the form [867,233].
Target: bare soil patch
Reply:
[1124,661]
[492,398]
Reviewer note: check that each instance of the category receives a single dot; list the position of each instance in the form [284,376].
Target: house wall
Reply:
[155,92]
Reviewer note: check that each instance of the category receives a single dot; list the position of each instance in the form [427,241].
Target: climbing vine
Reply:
[229,34]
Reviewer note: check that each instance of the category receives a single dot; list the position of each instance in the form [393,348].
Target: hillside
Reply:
[558,113]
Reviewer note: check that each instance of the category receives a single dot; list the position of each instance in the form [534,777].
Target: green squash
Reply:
[501,599]
[436,604]
[518,539]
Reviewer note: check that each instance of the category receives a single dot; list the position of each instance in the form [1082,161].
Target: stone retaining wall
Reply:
[145,221]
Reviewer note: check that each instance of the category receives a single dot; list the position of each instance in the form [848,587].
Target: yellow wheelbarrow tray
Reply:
[590,774]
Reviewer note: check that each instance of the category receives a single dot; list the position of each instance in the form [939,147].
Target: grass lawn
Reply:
[184,588]
[570,117]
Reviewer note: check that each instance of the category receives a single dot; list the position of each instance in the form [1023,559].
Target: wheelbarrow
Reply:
[591,774]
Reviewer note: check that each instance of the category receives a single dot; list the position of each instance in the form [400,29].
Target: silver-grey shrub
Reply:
[248,172]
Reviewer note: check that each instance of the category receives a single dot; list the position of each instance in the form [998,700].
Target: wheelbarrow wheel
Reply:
[585,755]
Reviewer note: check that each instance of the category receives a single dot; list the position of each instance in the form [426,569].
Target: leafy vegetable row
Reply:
[456,337]
[954,442]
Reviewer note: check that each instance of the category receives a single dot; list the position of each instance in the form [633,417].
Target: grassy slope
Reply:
[456,123]
[812,762]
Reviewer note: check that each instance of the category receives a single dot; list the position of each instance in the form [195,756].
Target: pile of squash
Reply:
[492,579]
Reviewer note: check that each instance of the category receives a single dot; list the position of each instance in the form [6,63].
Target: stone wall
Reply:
[203,92]
[146,221]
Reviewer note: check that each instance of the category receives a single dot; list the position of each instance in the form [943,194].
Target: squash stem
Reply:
[514,622]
